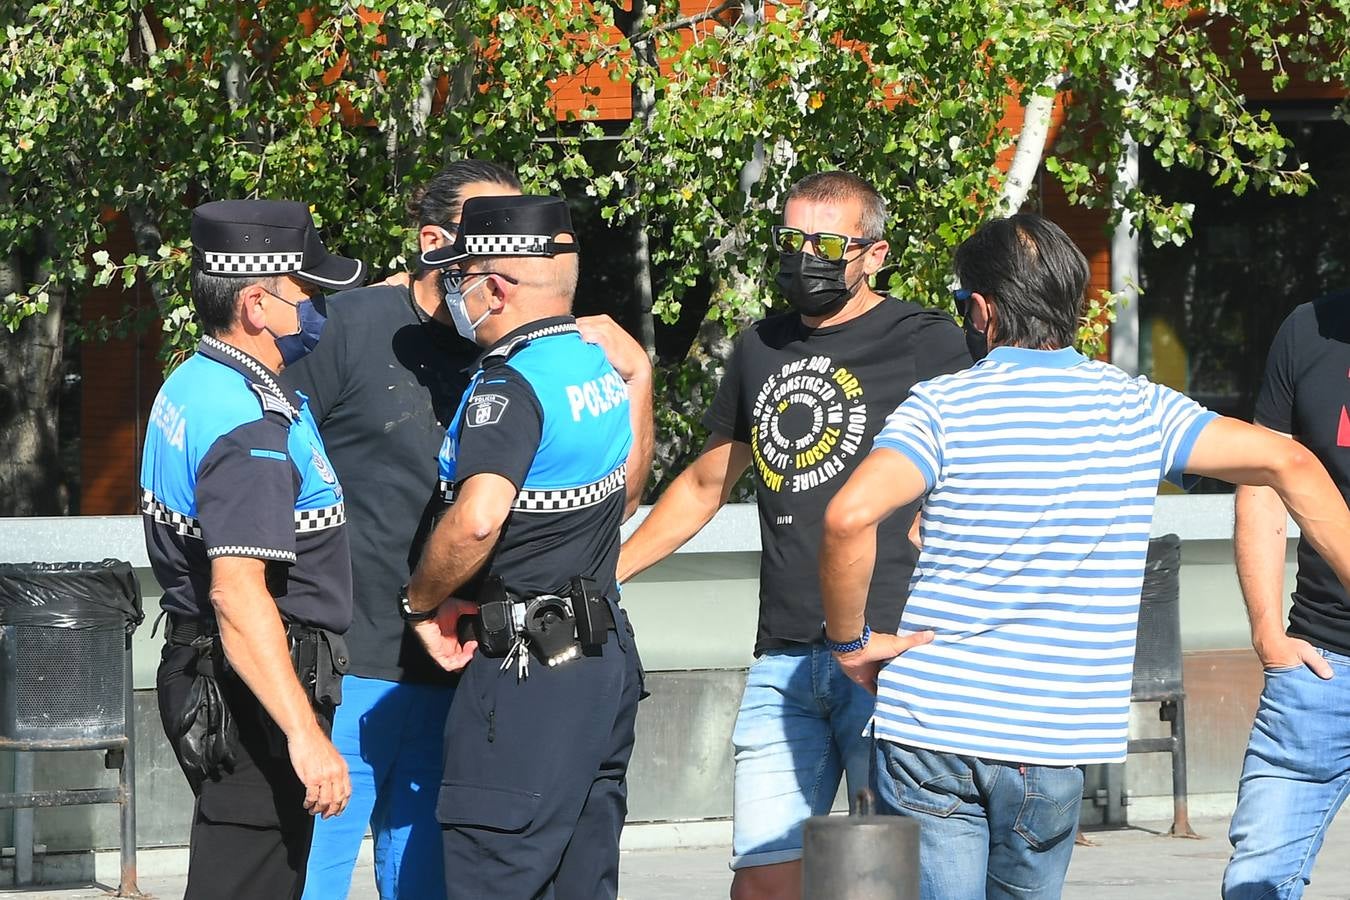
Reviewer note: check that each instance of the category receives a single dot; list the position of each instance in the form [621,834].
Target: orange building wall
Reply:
[119,380]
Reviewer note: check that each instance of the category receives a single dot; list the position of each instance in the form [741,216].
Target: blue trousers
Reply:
[1295,776]
[988,830]
[390,734]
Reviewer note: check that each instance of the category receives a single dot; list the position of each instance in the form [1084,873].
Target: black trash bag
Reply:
[78,595]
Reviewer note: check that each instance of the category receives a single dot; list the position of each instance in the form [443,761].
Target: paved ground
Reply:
[1134,863]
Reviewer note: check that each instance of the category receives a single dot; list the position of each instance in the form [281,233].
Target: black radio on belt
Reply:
[592,612]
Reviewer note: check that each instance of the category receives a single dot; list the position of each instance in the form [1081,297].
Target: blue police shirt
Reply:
[547,412]
[234,466]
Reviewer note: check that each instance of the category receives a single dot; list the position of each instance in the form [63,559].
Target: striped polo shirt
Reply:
[1042,467]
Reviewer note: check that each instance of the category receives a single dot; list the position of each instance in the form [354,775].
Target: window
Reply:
[1209,310]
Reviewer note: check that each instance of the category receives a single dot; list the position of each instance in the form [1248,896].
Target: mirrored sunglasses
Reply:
[828,245]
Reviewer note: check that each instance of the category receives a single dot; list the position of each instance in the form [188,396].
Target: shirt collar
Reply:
[530,331]
[257,373]
[1063,358]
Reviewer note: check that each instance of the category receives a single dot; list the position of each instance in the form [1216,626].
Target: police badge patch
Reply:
[485,409]
[321,466]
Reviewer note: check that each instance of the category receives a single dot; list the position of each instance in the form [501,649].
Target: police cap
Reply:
[507,226]
[268,237]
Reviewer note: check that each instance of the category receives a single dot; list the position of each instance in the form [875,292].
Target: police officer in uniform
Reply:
[244,526]
[540,730]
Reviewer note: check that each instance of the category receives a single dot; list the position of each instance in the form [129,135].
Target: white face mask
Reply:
[459,310]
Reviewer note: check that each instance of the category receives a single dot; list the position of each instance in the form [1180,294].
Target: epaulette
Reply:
[272,403]
[499,355]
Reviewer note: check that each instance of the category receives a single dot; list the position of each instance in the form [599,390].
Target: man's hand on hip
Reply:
[863,665]
[1284,652]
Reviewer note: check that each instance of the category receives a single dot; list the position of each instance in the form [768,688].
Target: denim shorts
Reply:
[799,730]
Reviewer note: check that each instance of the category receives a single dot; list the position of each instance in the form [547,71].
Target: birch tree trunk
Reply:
[1030,146]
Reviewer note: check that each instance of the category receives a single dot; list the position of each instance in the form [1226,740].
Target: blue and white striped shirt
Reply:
[1042,467]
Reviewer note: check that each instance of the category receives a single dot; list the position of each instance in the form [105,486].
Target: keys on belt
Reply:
[555,627]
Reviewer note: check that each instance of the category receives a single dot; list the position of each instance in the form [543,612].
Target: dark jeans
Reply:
[534,794]
[250,831]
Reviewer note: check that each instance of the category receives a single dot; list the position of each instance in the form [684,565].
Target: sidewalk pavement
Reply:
[1134,863]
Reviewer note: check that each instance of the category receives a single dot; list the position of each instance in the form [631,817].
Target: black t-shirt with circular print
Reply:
[809,402]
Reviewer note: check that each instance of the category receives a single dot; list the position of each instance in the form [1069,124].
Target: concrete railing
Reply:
[695,617]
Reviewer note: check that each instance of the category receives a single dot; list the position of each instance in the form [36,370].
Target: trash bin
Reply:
[64,629]
[65,684]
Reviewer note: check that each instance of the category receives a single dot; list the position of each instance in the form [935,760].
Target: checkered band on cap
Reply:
[564,500]
[319,519]
[181,523]
[507,244]
[253,263]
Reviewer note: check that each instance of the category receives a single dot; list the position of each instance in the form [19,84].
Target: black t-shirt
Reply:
[548,413]
[383,383]
[809,402]
[1306,393]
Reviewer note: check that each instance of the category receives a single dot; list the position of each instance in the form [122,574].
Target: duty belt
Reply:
[556,627]
[318,656]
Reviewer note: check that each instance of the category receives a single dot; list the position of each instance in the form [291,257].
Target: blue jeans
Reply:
[1294,778]
[799,730]
[987,829]
[390,734]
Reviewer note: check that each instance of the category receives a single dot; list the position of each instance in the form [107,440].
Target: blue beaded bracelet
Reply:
[849,646]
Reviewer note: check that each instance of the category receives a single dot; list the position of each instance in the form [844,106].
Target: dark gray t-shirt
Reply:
[383,384]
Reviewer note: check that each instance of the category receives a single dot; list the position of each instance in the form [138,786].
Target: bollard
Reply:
[860,857]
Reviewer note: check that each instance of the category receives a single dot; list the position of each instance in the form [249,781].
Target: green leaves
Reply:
[110,107]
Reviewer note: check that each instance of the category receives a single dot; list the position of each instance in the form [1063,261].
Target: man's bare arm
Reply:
[1275,473]
[688,504]
[634,366]
[884,482]
[256,647]
[463,539]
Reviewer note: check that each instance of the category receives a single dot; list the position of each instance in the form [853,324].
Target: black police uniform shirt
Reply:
[233,466]
[1306,394]
[383,383]
[547,412]
[809,402]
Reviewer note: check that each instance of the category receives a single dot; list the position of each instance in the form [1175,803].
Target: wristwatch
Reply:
[407,612]
[848,646]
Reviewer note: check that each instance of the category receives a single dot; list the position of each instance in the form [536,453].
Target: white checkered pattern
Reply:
[181,523]
[564,500]
[319,519]
[252,553]
[253,263]
[506,244]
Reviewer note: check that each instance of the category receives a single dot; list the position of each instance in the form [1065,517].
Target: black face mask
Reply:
[977,342]
[814,286]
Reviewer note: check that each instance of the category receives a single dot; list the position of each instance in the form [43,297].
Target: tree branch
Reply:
[684,22]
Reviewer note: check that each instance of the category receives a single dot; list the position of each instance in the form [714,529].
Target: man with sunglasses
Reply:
[383,384]
[534,467]
[802,397]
